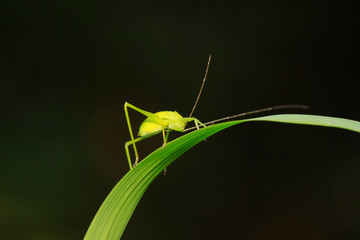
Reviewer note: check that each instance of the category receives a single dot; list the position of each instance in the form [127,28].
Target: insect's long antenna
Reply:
[253,112]
[202,86]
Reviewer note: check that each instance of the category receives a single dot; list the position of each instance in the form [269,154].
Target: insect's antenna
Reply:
[202,86]
[253,112]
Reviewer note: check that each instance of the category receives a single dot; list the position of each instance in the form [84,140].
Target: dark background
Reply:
[67,67]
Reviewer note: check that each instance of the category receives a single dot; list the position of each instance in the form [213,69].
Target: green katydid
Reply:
[166,121]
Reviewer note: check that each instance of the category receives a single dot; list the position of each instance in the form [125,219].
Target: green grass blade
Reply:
[114,214]
[312,120]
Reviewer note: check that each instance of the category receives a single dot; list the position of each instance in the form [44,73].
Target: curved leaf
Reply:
[114,214]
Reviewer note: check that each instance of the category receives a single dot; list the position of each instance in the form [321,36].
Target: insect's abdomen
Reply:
[149,127]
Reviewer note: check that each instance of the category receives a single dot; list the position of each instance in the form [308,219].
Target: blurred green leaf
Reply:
[110,221]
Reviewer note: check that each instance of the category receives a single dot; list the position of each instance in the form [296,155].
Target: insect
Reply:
[166,121]
[159,122]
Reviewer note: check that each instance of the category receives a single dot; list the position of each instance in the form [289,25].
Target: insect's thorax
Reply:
[169,120]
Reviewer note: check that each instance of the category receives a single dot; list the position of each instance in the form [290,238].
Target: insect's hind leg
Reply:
[132,142]
[126,105]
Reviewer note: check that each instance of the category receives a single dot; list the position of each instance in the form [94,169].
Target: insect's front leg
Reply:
[196,121]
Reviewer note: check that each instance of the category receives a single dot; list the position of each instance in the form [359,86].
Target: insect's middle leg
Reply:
[165,141]
[165,137]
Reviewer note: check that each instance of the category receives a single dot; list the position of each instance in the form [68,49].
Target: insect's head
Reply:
[177,122]
[173,120]
[177,125]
